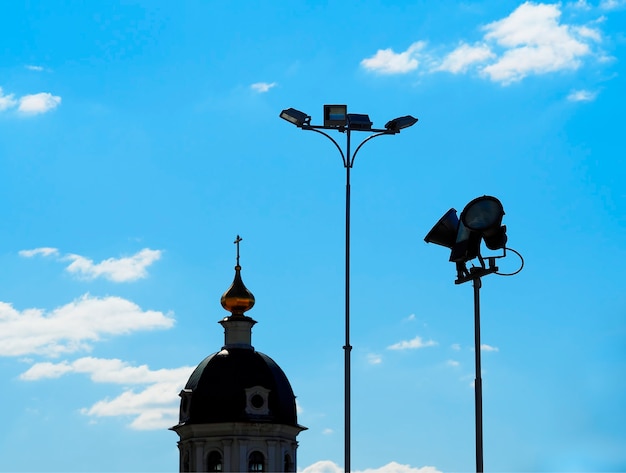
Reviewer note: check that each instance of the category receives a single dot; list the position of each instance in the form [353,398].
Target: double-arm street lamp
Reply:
[337,118]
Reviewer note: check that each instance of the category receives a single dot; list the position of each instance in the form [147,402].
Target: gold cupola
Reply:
[237,299]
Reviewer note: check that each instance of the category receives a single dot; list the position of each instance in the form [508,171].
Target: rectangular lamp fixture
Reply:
[335,115]
[357,121]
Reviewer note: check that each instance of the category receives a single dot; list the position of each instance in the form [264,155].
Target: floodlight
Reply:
[358,121]
[296,117]
[335,116]
[399,123]
[481,220]
[484,215]
[445,230]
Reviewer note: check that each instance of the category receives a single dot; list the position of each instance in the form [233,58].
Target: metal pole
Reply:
[347,347]
[478,384]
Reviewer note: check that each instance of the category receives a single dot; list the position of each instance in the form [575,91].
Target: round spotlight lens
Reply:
[482,213]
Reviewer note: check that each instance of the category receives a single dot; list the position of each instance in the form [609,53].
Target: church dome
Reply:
[238,385]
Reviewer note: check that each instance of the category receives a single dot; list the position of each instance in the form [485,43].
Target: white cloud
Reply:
[6,101]
[453,363]
[464,56]
[535,43]
[581,5]
[386,61]
[410,318]
[124,269]
[154,406]
[455,346]
[32,67]
[485,347]
[327,466]
[74,326]
[582,96]
[413,344]
[328,431]
[374,359]
[612,4]
[263,87]
[38,103]
[45,251]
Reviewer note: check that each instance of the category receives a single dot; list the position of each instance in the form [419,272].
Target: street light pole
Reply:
[480,221]
[478,381]
[337,118]
[347,348]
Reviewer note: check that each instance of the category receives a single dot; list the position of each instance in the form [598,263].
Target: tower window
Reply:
[288,466]
[186,466]
[256,462]
[214,461]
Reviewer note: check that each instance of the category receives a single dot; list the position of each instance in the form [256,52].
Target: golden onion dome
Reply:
[237,299]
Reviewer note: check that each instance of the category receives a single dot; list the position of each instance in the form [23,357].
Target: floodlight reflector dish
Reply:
[483,214]
[445,230]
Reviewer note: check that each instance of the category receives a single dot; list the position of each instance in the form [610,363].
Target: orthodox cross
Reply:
[236,242]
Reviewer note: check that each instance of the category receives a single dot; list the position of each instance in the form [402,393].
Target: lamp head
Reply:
[480,220]
[296,117]
[445,230]
[400,123]
[358,121]
[335,116]
[483,215]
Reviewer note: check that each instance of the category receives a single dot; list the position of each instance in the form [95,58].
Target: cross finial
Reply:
[236,242]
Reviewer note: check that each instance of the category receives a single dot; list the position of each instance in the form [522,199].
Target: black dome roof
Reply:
[216,390]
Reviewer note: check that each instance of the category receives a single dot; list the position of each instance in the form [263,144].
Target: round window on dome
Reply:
[257,401]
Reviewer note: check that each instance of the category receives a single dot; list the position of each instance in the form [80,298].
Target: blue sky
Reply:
[138,138]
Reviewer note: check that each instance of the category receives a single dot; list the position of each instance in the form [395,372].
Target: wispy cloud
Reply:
[6,101]
[327,466]
[453,363]
[465,56]
[124,269]
[263,87]
[412,344]
[485,347]
[32,67]
[582,96]
[612,4]
[152,405]
[38,103]
[74,326]
[387,61]
[374,359]
[45,251]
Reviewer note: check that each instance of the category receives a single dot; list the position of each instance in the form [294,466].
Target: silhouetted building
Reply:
[237,411]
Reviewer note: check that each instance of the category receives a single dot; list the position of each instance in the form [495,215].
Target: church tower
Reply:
[237,411]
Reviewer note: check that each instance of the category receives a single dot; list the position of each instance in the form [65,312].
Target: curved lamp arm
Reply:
[365,141]
[343,157]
